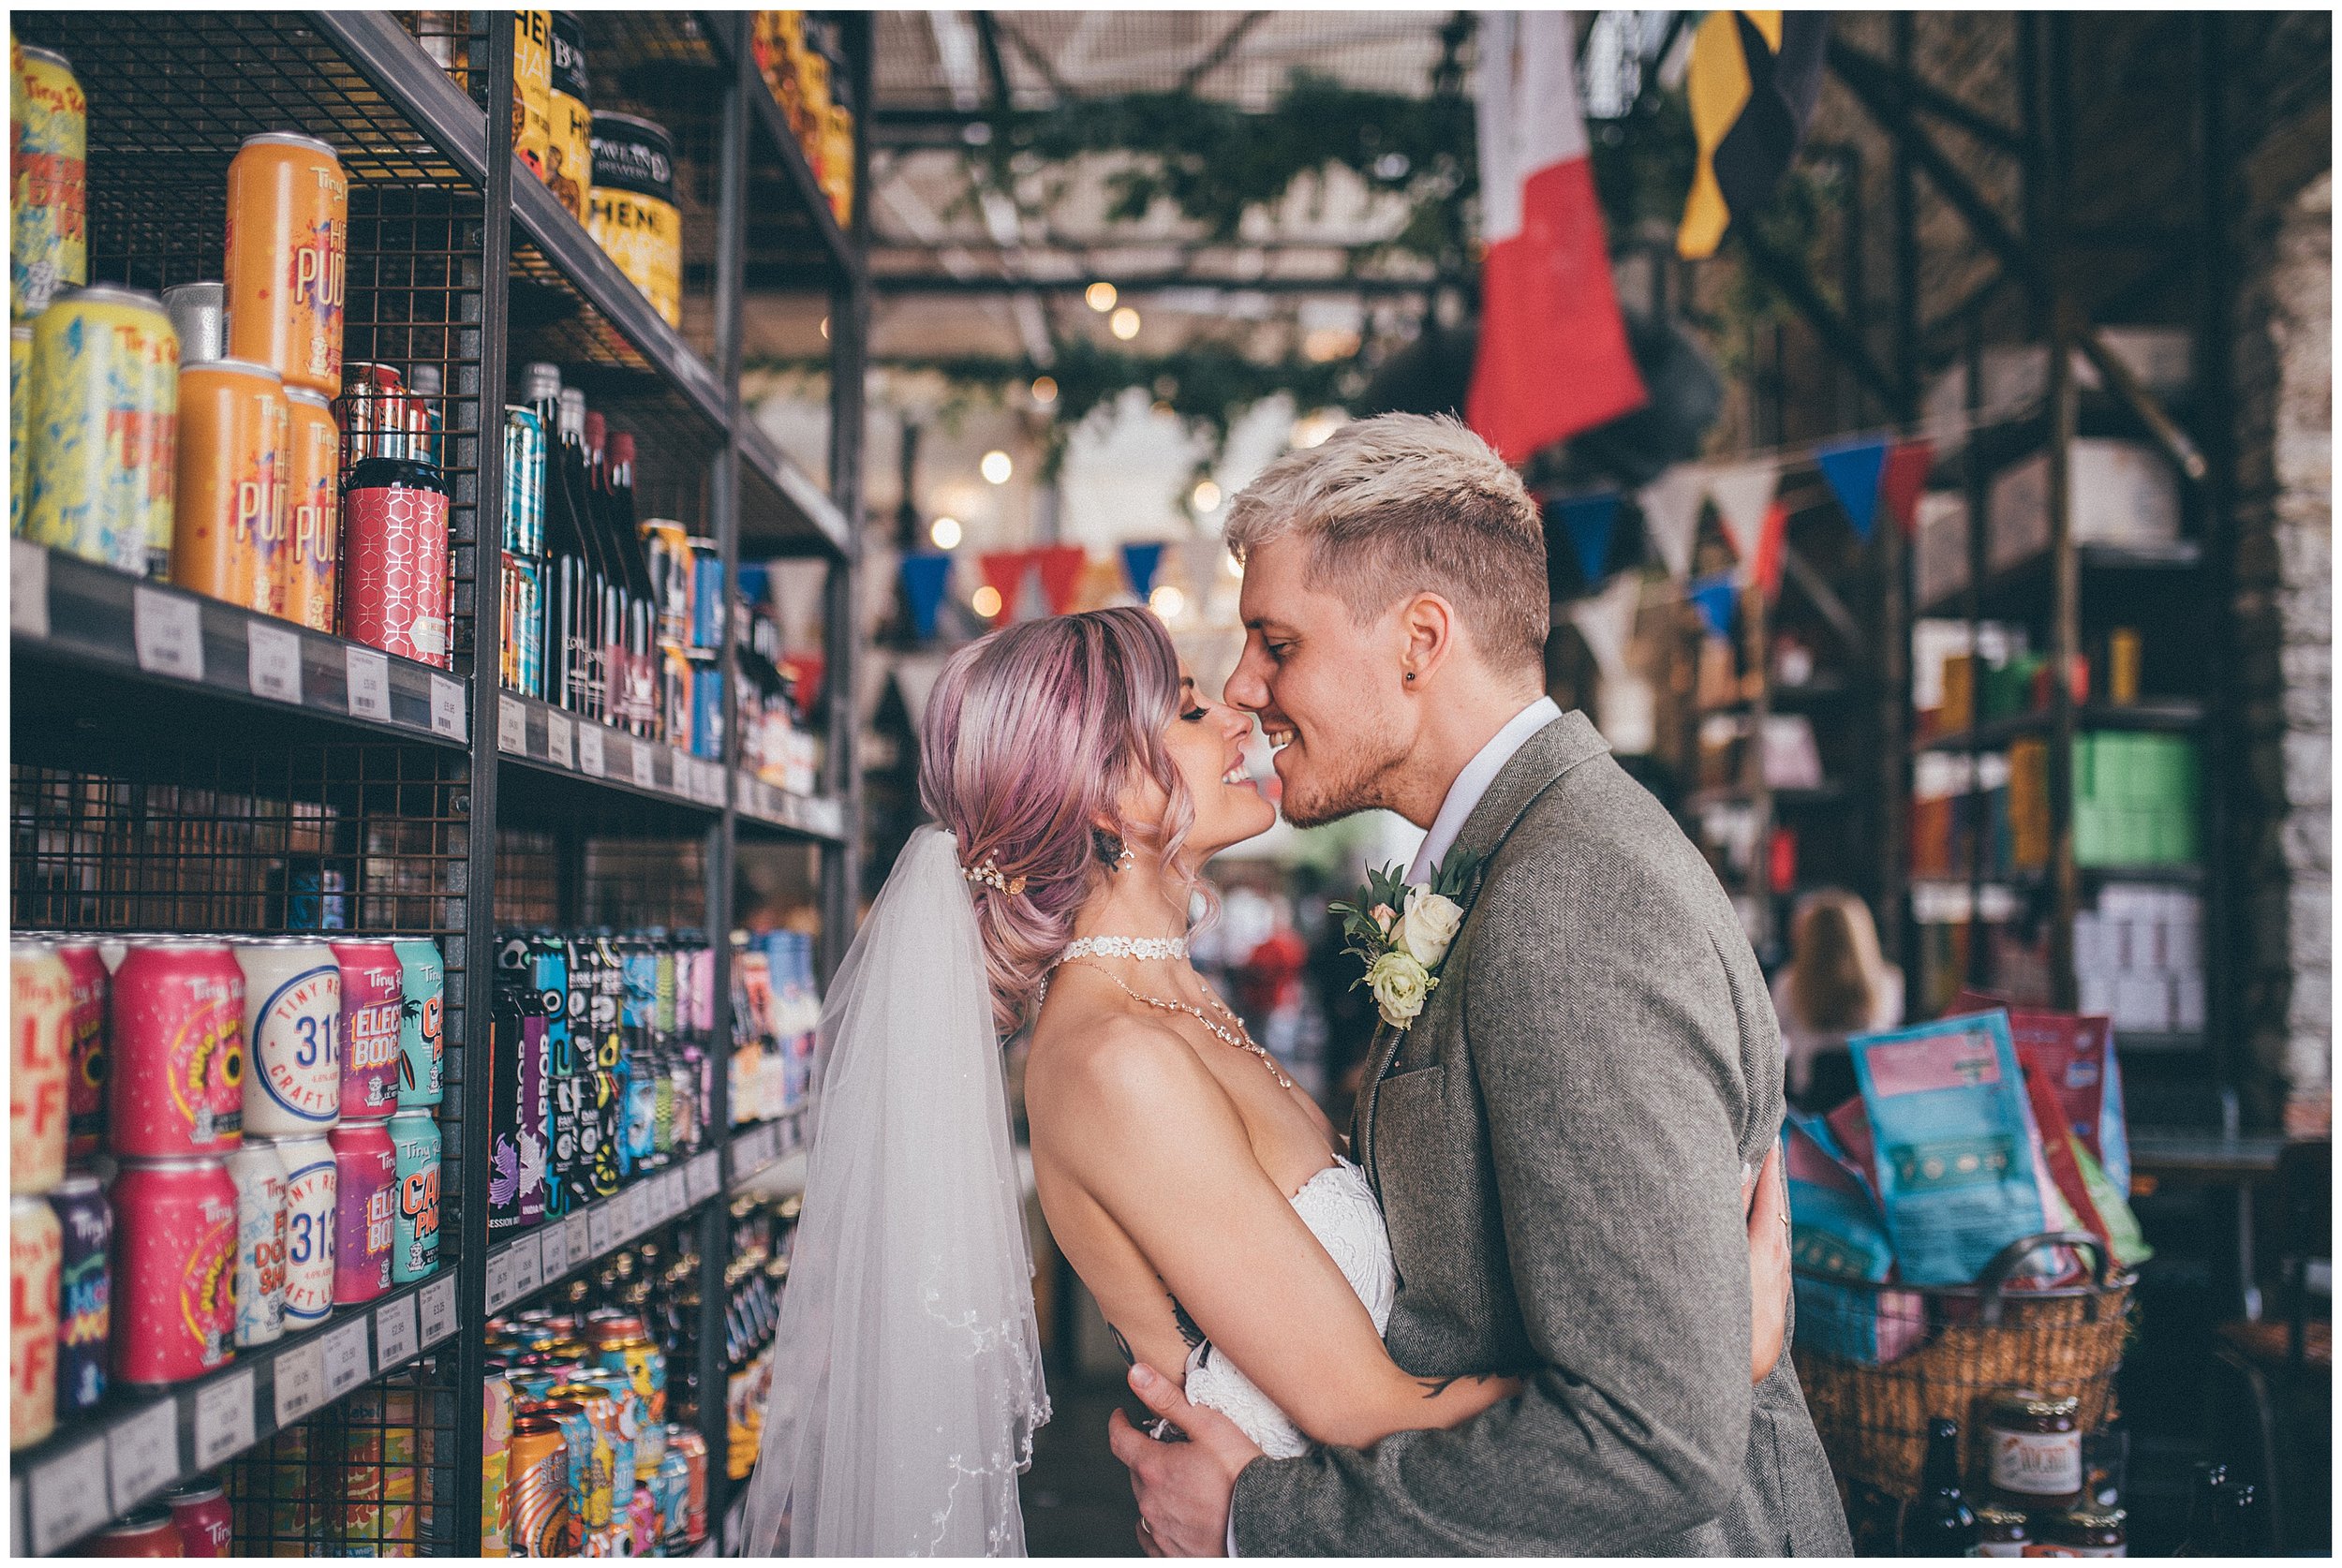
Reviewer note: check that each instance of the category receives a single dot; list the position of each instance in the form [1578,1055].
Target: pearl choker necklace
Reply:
[1124,947]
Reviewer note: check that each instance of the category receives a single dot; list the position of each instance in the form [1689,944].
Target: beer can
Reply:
[421,1043]
[707,594]
[49,196]
[381,1456]
[624,1425]
[207,1526]
[292,1009]
[693,1448]
[85,1064]
[34,1250]
[707,712]
[642,1518]
[394,568]
[102,428]
[537,1468]
[312,1182]
[674,696]
[230,538]
[415,1221]
[609,1023]
[549,962]
[630,210]
[373,997]
[40,1026]
[496,1437]
[147,1532]
[175,1084]
[285,1482]
[20,418]
[532,88]
[673,1491]
[589,1419]
[569,167]
[199,314]
[313,486]
[372,413]
[667,555]
[176,1261]
[423,413]
[288,243]
[85,1224]
[364,1199]
[510,997]
[523,633]
[524,482]
[259,1173]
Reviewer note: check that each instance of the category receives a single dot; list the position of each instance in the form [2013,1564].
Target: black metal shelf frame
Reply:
[228,751]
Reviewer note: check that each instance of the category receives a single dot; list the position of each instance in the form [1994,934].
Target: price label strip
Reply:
[447,707]
[552,1252]
[300,1381]
[511,726]
[602,1225]
[438,1306]
[368,672]
[69,1496]
[143,1453]
[581,1239]
[273,662]
[346,1358]
[557,740]
[396,1339]
[525,1260]
[167,633]
[500,1281]
[28,586]
[224,1425]
[590,757]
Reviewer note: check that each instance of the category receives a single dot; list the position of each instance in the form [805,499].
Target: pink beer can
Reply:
[85,1068]
[311,1178]
[373,1000]
[40,1028]
[175,1224]
[365,1203]
[175,1081]
[207,1525]
[292,1013]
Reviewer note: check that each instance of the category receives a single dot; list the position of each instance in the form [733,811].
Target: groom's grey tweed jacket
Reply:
[1559,1145]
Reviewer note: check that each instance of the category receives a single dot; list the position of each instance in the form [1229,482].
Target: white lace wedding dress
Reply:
[1340,1209]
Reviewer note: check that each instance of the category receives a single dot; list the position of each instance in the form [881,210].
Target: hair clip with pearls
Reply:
[990,875]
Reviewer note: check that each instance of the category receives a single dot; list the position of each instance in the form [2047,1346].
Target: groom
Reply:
[1561,1140]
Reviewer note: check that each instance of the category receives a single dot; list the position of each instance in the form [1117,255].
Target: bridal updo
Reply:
[1031,737]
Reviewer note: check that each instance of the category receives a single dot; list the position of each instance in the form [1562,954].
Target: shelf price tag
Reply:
[511,726]
[28,586]
[223,1418]
[346,1363]
[66,1506]
[557,740]
[395,1339]
[300,1381]
[704,1176]
[552,1252]
[590,757]
[437,1303]
[601,1226]
[500,1281]
[525,1264]
[142,1452]
[273,662]
[369,673]
[637,1211]
[645,767]
[167,632]
[581,1242]
[447,707]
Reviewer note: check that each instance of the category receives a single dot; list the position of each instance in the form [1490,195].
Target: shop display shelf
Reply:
[80,616]
[94,1470]
[555,741]
[1787,797]
[2168,715]
[781,505]
[2022,587]
[554,1249]
[757,1150]
[764,805]
[793,237]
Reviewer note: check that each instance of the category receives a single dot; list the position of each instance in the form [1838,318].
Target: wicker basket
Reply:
[1879,1362]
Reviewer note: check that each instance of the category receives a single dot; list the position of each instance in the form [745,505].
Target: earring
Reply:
[1410,674]
[1110,849]
[1128,858]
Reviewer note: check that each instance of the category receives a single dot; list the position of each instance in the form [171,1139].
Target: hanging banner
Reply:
[1909,464]
[1589,520]
[923,578]
[1717,597]
[1670,515]
[1853,468]
[1741,492]
[1769,540]
[1141,561]
[1004,574]
[1060,574]
[1606,621]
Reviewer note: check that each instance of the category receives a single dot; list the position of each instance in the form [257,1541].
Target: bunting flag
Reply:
[1605,620]
[1553,358]
[1060,574]
[1909,464]
[1589,520]
[1741,492]
[1853,469]
[1670,515]
[1755,77]
[1773,534]
[1141,561]
[1717,597]
[924,577]
[1004,574]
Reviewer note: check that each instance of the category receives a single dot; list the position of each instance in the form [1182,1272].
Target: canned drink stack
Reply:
[40,1027]
[311,1204]
[34,1252]
[292,1034]
[365,1197]
[373,1000]
[259,1174]
[313,486]
[85,1061]
[101,428]
[229,535]
[415,1216]
[421,1030]
[85,1228]
[176,1221]
[288,244]
[49,190]
[175,1081]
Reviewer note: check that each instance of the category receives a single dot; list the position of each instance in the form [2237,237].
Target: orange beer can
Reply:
[288,243]
[313,509]
[230,532]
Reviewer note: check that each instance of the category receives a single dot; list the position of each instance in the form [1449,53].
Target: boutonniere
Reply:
[1402,930]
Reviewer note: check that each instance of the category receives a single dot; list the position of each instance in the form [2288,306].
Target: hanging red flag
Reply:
[1060,574]
[1004,574]
[1909,464]
[1769,542]
[1553,358]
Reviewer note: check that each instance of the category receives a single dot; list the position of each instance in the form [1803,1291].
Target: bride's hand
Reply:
[1766,1199]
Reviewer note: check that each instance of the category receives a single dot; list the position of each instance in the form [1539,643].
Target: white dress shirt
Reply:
[1454,811]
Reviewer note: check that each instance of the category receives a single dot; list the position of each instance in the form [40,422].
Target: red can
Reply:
[207,1526]
[373,994]
[365,1200]
[372,413]
[395,561]
[85,1069]
[176,1083]
[174,1270]
[148,1532]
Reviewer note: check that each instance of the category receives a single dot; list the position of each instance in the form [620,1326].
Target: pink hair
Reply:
[1031,737]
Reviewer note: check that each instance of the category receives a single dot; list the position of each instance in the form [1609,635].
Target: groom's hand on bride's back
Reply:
[1766,1201]
[1182,1488]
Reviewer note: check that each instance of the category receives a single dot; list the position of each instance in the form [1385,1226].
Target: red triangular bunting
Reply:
[1005,573]
[1769,540]
[1060,574]
[1909,464]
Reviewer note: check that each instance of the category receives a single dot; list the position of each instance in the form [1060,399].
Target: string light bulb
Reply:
[985,602]
[996,467]
[1099,296]
[1044,390]
[1123,323]
[1206,496]
[1167,602]
[945,531]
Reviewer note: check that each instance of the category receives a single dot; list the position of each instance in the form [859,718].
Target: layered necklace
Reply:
[1233,1032]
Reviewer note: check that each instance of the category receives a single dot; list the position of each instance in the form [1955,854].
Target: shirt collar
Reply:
[1473,782]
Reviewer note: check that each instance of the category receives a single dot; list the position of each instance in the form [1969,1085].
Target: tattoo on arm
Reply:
[1123,1345]
[1434,1387]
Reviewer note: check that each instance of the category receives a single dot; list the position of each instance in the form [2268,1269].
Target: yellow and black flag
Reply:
[1754,79]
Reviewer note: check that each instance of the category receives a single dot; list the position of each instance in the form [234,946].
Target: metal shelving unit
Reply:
[178,764]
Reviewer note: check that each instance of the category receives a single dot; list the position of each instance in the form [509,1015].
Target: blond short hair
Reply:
[1404,504]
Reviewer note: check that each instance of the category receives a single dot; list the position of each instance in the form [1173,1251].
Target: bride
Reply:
[1079,781]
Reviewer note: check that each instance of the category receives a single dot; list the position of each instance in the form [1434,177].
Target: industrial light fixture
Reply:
[996,468]
[945,531]
[1099,296]
[1123,323]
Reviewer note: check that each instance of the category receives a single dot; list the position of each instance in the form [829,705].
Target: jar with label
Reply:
[2083,1533]
[2000,1531]
[2033,1443]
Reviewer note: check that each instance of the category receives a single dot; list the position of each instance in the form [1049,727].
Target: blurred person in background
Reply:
[1836,983]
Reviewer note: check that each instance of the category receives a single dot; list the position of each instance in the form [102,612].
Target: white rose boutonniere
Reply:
[1403,930]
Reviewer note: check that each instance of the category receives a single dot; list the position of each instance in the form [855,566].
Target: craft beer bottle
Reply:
[1938,1522]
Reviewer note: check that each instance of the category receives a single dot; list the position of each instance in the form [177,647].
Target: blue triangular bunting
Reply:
[1141,561]
[924,577]
[1717,599]
[1852,468]
[1588,520]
